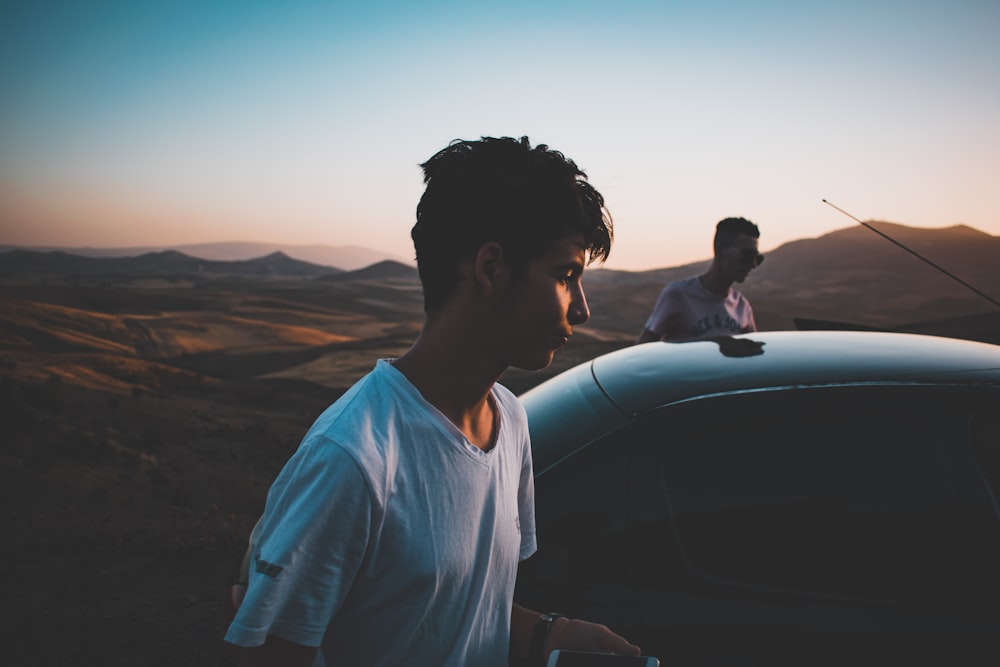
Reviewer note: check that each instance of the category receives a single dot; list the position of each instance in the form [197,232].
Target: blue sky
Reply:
[125,123]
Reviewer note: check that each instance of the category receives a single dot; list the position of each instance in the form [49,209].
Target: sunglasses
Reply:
[751,256]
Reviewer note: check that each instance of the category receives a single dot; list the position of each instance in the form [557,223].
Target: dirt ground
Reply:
[79,602]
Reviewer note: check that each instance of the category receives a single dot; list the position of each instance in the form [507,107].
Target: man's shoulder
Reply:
[505,395]
[356,397]
[683,283]
[510,404]
[366,406]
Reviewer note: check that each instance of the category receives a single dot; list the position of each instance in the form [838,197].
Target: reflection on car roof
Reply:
[645,376]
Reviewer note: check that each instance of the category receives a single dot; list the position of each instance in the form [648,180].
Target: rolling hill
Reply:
[167,264]
[345,257]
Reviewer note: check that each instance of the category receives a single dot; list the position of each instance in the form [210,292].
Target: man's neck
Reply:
[450,372]
[715,283]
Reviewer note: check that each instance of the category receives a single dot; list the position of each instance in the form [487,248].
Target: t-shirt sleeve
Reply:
[526,484]
[666,309]
[517,421]
[526,507]
[313,538]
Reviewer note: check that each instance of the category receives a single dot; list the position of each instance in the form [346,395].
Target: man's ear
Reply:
[490,269]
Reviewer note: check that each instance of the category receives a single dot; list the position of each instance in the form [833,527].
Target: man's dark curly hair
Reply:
[501,190]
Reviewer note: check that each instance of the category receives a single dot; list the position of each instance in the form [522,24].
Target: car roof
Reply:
[599,396]
[645,376]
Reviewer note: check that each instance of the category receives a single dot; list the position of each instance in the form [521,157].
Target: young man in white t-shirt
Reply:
[393,534]
[707,307]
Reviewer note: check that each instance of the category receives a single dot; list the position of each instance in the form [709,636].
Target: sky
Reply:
[166,123]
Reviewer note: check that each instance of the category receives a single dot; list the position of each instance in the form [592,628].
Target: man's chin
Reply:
[536,364]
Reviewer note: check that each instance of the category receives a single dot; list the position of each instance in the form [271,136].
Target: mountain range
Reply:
[345,257]
[851,275]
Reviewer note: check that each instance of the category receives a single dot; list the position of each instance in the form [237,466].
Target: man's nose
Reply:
[579,312]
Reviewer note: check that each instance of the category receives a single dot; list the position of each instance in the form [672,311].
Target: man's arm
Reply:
[739,347]
[565,633]
[752,324]
[647,336]
[665,318]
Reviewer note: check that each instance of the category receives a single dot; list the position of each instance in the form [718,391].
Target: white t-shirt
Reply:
[390,539]
[685,310]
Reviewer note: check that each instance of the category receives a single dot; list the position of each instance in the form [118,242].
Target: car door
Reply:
[582,566]
[824,526]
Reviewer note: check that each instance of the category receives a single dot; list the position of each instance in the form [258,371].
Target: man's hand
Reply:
[575,635]
[739,347]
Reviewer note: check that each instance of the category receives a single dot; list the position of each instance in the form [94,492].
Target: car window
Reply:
[841,497]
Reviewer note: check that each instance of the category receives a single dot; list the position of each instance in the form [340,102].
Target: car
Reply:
[834,500]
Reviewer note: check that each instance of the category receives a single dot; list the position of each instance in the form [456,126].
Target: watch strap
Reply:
[538,634]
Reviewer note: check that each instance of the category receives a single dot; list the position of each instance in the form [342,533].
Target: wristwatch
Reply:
[540,632]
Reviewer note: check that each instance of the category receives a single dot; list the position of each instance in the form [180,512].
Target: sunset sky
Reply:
[154,123]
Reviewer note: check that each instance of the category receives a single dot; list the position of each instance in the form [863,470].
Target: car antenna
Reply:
[916,254]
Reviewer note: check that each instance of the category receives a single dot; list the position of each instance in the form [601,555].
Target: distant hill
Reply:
[856,273]
[168,263]
[347,257]
[387,270]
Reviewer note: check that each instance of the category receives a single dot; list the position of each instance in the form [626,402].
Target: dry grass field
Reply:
[143,424]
